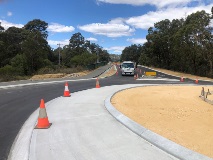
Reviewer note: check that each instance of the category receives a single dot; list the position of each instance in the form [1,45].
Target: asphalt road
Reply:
[17,104]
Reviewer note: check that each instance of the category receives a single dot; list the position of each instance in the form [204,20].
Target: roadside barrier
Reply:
[43,122]
[97,83]
[66,91]
[204,96]
[150,73]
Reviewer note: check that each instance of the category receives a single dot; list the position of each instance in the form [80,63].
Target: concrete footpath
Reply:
[83,129]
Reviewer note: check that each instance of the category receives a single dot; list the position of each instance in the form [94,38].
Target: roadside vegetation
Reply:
[183,45]
[25,52]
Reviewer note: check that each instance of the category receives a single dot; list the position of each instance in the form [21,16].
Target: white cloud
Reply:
[137,41]
[157,3]
[54,43]
[108,29]
[9,14]
[6,24]
[55,27]
[147,20]
[116,21]
[92,39]
[116,49]
[211,23]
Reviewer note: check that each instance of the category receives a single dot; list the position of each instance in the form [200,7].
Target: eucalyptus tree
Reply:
[104,56]
[77,42]
[181,44]
[37,25]
[10,40]
[1,28]
[131,53]
[35,50]
[196,36]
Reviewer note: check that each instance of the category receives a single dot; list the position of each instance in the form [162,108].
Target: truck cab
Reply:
[127,68]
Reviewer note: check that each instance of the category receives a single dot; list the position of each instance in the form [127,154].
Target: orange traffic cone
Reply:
[66,91]
[43,122]
[116,73]
[181,79]
[97,83]
[196,81]
[135,77]
[140,71]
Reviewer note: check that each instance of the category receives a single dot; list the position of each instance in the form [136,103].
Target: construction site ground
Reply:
[175,112]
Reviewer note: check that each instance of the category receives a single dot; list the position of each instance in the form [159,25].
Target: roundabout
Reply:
[173,111]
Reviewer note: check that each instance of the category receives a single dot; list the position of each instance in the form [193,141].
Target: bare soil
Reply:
[59,75]
[108,73]
[185,75]
[175,112]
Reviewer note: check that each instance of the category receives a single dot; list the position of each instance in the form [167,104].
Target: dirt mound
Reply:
[59,75]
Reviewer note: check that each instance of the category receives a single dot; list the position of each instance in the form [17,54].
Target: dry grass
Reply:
[59,75]
[179,74]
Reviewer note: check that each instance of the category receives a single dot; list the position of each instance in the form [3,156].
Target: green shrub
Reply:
[56,69]
[8,73]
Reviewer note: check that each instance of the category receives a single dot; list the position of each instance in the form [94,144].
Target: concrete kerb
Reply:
[166,145]
[19,151]
[103,71]
[40,83]
[21,146]
[104,76]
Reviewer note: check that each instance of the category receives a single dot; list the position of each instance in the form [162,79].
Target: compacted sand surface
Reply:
[175,112]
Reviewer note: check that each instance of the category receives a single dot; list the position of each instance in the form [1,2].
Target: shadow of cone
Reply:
[43,122]
[97,83]
[66,91]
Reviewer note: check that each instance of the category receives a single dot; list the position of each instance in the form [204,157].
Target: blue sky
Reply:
[112,24]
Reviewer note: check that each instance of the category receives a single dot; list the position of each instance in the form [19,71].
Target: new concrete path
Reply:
[83,129]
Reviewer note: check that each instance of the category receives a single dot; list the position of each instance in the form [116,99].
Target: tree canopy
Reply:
[25,50]
[184,45]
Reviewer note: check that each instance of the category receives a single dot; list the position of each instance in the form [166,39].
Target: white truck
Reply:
[127,68]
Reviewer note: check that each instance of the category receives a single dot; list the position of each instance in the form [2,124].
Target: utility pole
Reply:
[59,57]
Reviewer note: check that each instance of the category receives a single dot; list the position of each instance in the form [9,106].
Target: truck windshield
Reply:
[128,65]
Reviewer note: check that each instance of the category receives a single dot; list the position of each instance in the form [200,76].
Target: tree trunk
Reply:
[210,71]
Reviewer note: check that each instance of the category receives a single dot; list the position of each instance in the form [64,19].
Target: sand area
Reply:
[175,112]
